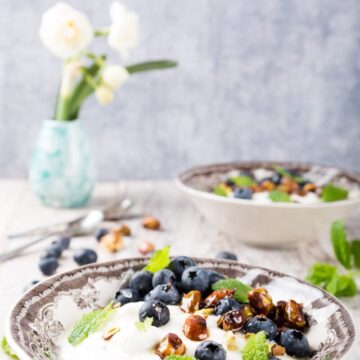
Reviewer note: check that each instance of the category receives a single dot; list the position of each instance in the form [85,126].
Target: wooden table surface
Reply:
[183,227]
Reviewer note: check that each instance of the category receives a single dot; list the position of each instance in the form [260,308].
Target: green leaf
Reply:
[179,357]
[280,170]
[321,274]
[355,250]
[160,260]
[241,288]
[342,285]
[144,325]
[256,347]
[89,324]
[6,348]
[340,244]
[242,181]
[279,196]
[151,65]
[332,193]
[220,190]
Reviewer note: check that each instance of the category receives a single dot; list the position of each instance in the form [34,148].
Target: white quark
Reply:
[131,343]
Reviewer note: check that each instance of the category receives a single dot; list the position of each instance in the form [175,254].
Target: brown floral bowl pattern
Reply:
[39,321]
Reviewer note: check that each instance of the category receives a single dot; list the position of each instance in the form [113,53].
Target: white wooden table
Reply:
[183,228]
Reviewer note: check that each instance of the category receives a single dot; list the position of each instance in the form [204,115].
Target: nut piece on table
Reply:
[125,230]
[195,328]
[216,296]
[146,247]
[171,344]
[232,320]
[191,301]
[113,242]
[290,314]
[151,223]
[110,333]
[261,301]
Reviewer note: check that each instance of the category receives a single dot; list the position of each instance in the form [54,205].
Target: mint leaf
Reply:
[89,324]
[321,274]
[242,180]
[241,288]
[179,357]
[355,250]
[256,347]
[6,348]
[221,190]
[342,285]
[340,244]
[279,196]
[159,260]
[280,170]
[332,193]
[144,325]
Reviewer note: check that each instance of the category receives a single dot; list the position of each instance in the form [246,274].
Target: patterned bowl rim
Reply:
[140,261]
[183,179]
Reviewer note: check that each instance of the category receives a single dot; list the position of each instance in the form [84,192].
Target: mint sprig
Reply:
[242,180]
[279,196]
[256,347]
[341,244]
[160,260]
[7,350]
[241,288]
[331,193]
[281,171]
[220,190]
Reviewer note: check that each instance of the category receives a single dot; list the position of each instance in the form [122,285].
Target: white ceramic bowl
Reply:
[270,224]
[41,318]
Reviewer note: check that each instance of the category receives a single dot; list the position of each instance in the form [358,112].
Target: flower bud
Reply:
[104,95]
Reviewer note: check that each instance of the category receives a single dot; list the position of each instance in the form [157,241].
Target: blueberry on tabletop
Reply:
[141,282]
[262,323]
[243,193]
[167,293]
[30,285]
[226,255]
[226,304]
[85,256]
[48,265]
[295,343]
[214,277]
[52,251]
[62,243]
[164,276]
[100,233]
[194,278]
[210,350]
[179,264]
[156,310]
[125,296]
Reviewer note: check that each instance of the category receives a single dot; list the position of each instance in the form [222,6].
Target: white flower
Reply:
[104,95]
[71,73]
[124,30]
[114,76]
[65,31]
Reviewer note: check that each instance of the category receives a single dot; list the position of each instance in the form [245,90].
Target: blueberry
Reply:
[179,264]
[85,256]
[30,285]
[194,278]
[210,350]
[226,304]
[156,310]
[52,251]
[167,293]
[100,233]
[261,323]
[214,277]
[276,179]
[125,296]
[243,193]
[273,358]
[164,276]
[295,343]
[141,282]
[227,255]
[48,265]
[62,243]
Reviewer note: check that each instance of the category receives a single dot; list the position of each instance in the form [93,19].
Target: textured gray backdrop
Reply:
[258,79]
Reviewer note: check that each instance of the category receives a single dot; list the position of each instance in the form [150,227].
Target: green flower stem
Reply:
[151,65]
[102,32]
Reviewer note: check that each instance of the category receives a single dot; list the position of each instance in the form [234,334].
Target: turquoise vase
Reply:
[62,168]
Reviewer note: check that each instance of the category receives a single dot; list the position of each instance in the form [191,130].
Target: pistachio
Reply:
[110,333]
[151,223]
[261,301]
[113,242]
[125,230]
[191,301]
[195,328]
[171,344]
[232,320]
[216,296]
[146,247]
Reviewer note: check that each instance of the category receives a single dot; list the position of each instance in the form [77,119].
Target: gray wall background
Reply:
[258,79]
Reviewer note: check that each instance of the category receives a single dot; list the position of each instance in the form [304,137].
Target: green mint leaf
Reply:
[179,357]
[220,190]
[242,181]
[279,196]
[280,170]
[256,347]
[340,244]
[144,325]
[89,324]
[342,285]
[355,250]
[6,349]
[241,288]
[332,193]
[160,260]
[321,274]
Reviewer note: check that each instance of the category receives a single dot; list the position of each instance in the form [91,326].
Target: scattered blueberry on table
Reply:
[226,255]
[85,256]
[48,265]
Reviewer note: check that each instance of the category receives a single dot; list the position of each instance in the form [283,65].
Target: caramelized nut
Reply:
[125,230]
[216,296]
[261,301]
[309,187]
[151,223]
[171,344]
[195,328]
[267,185]
[232,320]
[110,333]
[191,301]
[146,247]
[247,312]
[113,241]
[277,350]
[290,314]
